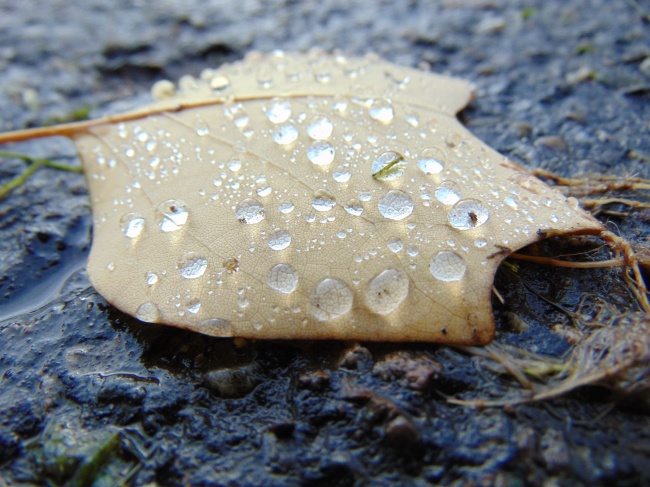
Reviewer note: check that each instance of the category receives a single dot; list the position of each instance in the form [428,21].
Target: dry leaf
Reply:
[309,196]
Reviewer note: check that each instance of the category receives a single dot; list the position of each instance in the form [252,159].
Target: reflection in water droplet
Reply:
[283,278]
[323,201]
[431,160]
[388,166]
[387,291]
[285,135]
[447,266]
[250,211]
[468,214]
[192,266]
[279,112]
[132,224]
[354,208]
[395,244]
[448,193]
[174,215]
[381,111]
[320,128]
[330,299]
[148,312]
[321,153]
[279,240]
[395,205]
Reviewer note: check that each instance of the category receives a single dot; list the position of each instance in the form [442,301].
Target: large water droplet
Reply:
[381,111]
[192,266]
[395,205]
[279,240]
[174,215]
[320,128]
[330,299]
[285,135]
[283,278]
[447,266]
[323,201]
[148,312]
[431,160]
[250,211]
[389,165]
[279,112]
[387,291]
[321,153]
[448,193]
[132,224]
[468,214]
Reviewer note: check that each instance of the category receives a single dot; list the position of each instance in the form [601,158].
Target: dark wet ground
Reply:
[91,396]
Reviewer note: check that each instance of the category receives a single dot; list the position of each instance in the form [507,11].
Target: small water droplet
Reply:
[341,175]
[511,201]
[395,205]
[447,266]
[395,244]
[285,134]
[264,191]
[193,306]
[320,128]
[321,153]
[381,111]
[110,266]
[286,208]
[323,201]
[283,278]
[201,126]
[386,291]
[192,266]
[279,240]
[365,197]
[448,193]
[330,299]
[219,83]
[388,166]
[480,243]
[132,224]
[148,312]
[151,278]
[234,165]
[216,327]
[354,208]
[468,214]
[453,140]
[250,211]
[431,161]
[279,112]
[174,215]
